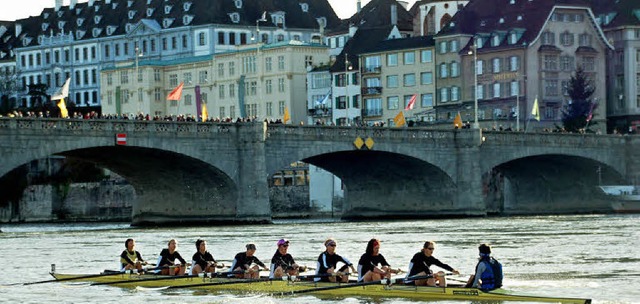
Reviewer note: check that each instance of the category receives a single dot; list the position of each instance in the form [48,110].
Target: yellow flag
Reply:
[286,117]
[205,114]
[457,122]
[63,108]
[535,112]
[399,120]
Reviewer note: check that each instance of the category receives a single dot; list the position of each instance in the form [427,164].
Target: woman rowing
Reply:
[372,265]
[242,262]
[420,267]
[282,262]
[130,258]
[327,263]
[203,261]
[167,259]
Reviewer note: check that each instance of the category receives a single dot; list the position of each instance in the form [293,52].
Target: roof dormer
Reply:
[80,34]
[111,29]
[235,17]
[79,21]
[304,7]
[96,32]
[186,6]
[167,9]
[128,28]
[114,5]
[45,26]
[150,11]
[129,3]
[61,24]
[60,14]
[97,19]
[167,22]
[186,19]
[238,3]
[131,14]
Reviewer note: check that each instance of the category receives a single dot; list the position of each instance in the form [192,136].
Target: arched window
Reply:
[445,19]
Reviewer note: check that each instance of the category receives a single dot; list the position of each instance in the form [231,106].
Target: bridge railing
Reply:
[125,126]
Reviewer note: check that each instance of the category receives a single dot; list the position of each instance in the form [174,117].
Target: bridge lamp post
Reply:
[347,67]
[474,51]
[138,77]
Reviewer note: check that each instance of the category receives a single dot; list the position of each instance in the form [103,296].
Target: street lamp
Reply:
[474,50]
[347,68]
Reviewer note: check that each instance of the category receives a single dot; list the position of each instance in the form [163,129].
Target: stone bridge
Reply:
[218,173]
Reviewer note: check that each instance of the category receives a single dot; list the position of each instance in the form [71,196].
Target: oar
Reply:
[238,281]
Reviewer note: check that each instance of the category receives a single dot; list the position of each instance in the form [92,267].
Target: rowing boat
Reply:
[325,289]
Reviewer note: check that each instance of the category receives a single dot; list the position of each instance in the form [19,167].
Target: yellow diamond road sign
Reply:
[369,143]
[358,143]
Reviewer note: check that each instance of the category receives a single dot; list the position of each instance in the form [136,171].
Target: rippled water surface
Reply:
[595,256]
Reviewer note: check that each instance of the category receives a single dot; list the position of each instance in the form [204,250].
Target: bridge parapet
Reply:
[552,139]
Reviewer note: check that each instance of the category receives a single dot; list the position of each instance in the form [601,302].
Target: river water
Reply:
[594,256]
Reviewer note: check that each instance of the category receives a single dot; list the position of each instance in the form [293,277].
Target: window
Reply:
[550,62]
[202,39]
[281,63]
[566,39]
[589,64]
[232,90]
[157,94]
[480,67]
[281,85]
[495,63]
[455,69]
[444,94]
[124,77]
[173,80]
[548,38]
[426,78]
[566,63]
[268,64]
[392,59]
[393,103]
[426,56]
[409,80]
[480,91]
[444,71]
[409,57]
[319,81]
[453,46]
[496,90]
[392,81]
[221,91]
[156,75]
[372,63]
[455,93]
[269,86]
[426,100]
[341,102]
[232,68]
[203,77]
[443,47]
[514,63]
[515,88]
[585,40]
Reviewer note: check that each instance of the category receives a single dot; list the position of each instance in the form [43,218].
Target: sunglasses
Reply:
[285,245]
[430,248]
[331,244]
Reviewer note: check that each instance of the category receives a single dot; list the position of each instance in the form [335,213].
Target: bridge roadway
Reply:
[218,173]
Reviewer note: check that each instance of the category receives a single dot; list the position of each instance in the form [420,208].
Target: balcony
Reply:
[368,91]
[319,112]
[375,112]
[372,70]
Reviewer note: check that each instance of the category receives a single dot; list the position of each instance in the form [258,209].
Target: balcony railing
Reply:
[371,112]
[371,70]
[367,91]
[319,112]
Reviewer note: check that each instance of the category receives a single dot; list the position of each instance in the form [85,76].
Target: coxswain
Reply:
[488,275]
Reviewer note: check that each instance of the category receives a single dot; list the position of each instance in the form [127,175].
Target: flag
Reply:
[323,101]
[264,17]
[63,108]
[286,117]
[118,101]
[412,102]
[205,113]
[63,92]
[399,120]
[198,102]
[457,122]
[590,115]
[535,111]
[176,93]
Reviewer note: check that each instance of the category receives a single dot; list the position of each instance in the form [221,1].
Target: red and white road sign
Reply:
[121,139]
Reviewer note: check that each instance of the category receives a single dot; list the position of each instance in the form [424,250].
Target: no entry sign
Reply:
[121,139]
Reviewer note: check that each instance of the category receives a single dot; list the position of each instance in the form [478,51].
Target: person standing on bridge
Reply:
[420,266]
[167,259]
[327,263]
[243,261]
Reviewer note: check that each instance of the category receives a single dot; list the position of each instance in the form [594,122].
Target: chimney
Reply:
[359,6]
[18,29]
[394,14]
[352,30]
[72,4]
[58,5]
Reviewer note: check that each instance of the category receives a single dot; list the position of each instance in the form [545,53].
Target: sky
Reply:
[19,9]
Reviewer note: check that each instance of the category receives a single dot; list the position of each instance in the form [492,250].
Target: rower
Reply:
[167,260]
[130,258]
[488,275]
[242,263]
[420,264]
[368,269]
[327,263]
[283,262]
[202,260]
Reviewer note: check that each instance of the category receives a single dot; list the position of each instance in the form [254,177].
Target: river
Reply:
[592,256]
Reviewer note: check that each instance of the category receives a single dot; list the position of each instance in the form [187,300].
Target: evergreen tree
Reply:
[578,113]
